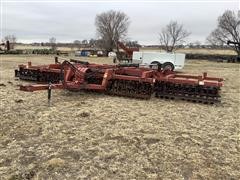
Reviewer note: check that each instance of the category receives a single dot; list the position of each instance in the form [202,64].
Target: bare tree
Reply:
[77,44]
[92,42]
[111,27]
[53,44]
[228,29]
[100,43]
[12,40]
[85,43]
[172,35]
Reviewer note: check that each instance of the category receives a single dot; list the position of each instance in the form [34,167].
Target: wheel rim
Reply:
[168,67]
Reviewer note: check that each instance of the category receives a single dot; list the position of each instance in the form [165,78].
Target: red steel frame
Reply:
[50,67]
[74,77]
[128,51]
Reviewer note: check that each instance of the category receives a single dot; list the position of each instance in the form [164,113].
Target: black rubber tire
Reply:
[168,66]
[158,64]
[114,60]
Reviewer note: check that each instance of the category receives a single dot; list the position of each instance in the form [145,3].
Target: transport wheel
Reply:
[156,63]
[168,66]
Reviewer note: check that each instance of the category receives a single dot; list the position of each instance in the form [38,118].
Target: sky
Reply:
[37,21]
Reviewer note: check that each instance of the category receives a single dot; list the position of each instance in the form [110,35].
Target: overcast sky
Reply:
[68,21]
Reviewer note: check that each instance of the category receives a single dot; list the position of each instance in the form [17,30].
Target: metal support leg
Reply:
[49,94]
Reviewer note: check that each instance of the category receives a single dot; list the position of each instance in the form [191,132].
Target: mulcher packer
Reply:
[122,80]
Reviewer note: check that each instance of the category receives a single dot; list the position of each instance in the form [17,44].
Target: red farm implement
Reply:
[127,53]
[40,73]
[126,80]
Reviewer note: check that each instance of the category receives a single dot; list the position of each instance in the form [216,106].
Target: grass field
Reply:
[96,136]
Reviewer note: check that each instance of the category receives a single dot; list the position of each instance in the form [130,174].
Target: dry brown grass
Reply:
[120,138]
